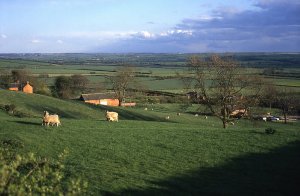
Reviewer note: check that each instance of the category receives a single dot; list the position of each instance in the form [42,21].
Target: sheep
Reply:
[231,123]
[196,115]
[112,116]
[205,117]
[50,119]
[178,114]
[167,117]
[145,109]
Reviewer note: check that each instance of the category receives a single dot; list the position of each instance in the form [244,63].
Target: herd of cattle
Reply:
[53,119]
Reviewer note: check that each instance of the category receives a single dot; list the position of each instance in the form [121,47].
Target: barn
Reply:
[100,99]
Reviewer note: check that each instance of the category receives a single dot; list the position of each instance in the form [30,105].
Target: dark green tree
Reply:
[63,87]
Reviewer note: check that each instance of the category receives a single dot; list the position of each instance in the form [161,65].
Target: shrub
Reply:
[10,108]
[31,175]
[270,130]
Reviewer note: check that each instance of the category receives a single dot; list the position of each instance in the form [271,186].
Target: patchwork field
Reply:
[146,154]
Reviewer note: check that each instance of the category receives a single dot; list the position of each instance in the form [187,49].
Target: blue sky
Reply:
[170,26]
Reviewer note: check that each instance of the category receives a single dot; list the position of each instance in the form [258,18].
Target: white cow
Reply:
[112,116]
[50,119]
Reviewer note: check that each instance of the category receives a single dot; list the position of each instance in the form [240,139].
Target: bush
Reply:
[31,175]
[270,130]
[10,108]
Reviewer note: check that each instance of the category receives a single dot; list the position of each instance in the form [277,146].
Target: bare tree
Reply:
[20,75]
[287,101]
[270,94]
[221,84]
[121,80]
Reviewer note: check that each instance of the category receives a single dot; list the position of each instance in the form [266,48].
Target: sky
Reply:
[154,26]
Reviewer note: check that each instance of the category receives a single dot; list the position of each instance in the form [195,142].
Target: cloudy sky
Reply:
[168,26]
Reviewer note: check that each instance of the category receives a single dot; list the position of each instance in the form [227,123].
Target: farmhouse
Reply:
[100,99]
[26,88]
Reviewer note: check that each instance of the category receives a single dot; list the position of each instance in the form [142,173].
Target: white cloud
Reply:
[146,34]
[3,36]
[59,41]
[35,41]
[99,34]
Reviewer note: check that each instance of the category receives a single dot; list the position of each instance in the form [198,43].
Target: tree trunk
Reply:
[285,116]
[224,123]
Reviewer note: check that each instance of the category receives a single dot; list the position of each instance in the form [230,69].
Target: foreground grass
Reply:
[146,155]
[138,156]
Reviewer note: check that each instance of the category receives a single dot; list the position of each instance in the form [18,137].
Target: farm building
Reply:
[100,99]
[13,87]
[26,88]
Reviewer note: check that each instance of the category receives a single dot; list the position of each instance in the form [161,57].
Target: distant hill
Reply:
[249,59]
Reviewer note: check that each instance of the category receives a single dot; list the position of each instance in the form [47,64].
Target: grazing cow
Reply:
[112,116]
[50,119]
[238,113]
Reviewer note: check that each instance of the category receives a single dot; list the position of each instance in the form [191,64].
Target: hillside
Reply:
[144,154]
[33,105]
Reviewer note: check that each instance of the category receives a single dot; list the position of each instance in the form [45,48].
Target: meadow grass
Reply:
[145,154]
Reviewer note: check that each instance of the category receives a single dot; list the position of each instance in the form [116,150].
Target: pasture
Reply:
[145,154]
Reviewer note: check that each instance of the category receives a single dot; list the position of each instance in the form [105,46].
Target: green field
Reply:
[155,71]
[144,154]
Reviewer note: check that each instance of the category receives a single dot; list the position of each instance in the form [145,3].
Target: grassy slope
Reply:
[143,154]
[33,105]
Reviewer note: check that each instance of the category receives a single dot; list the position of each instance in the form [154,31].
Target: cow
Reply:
[112,116]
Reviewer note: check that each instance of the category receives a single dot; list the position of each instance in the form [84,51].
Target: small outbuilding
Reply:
[27,88]
[13,86]
[108,99]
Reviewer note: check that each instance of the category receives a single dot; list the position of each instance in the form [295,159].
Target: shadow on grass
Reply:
[55,110]
[28,123]
[258,132]
[131,115]
[273,173]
